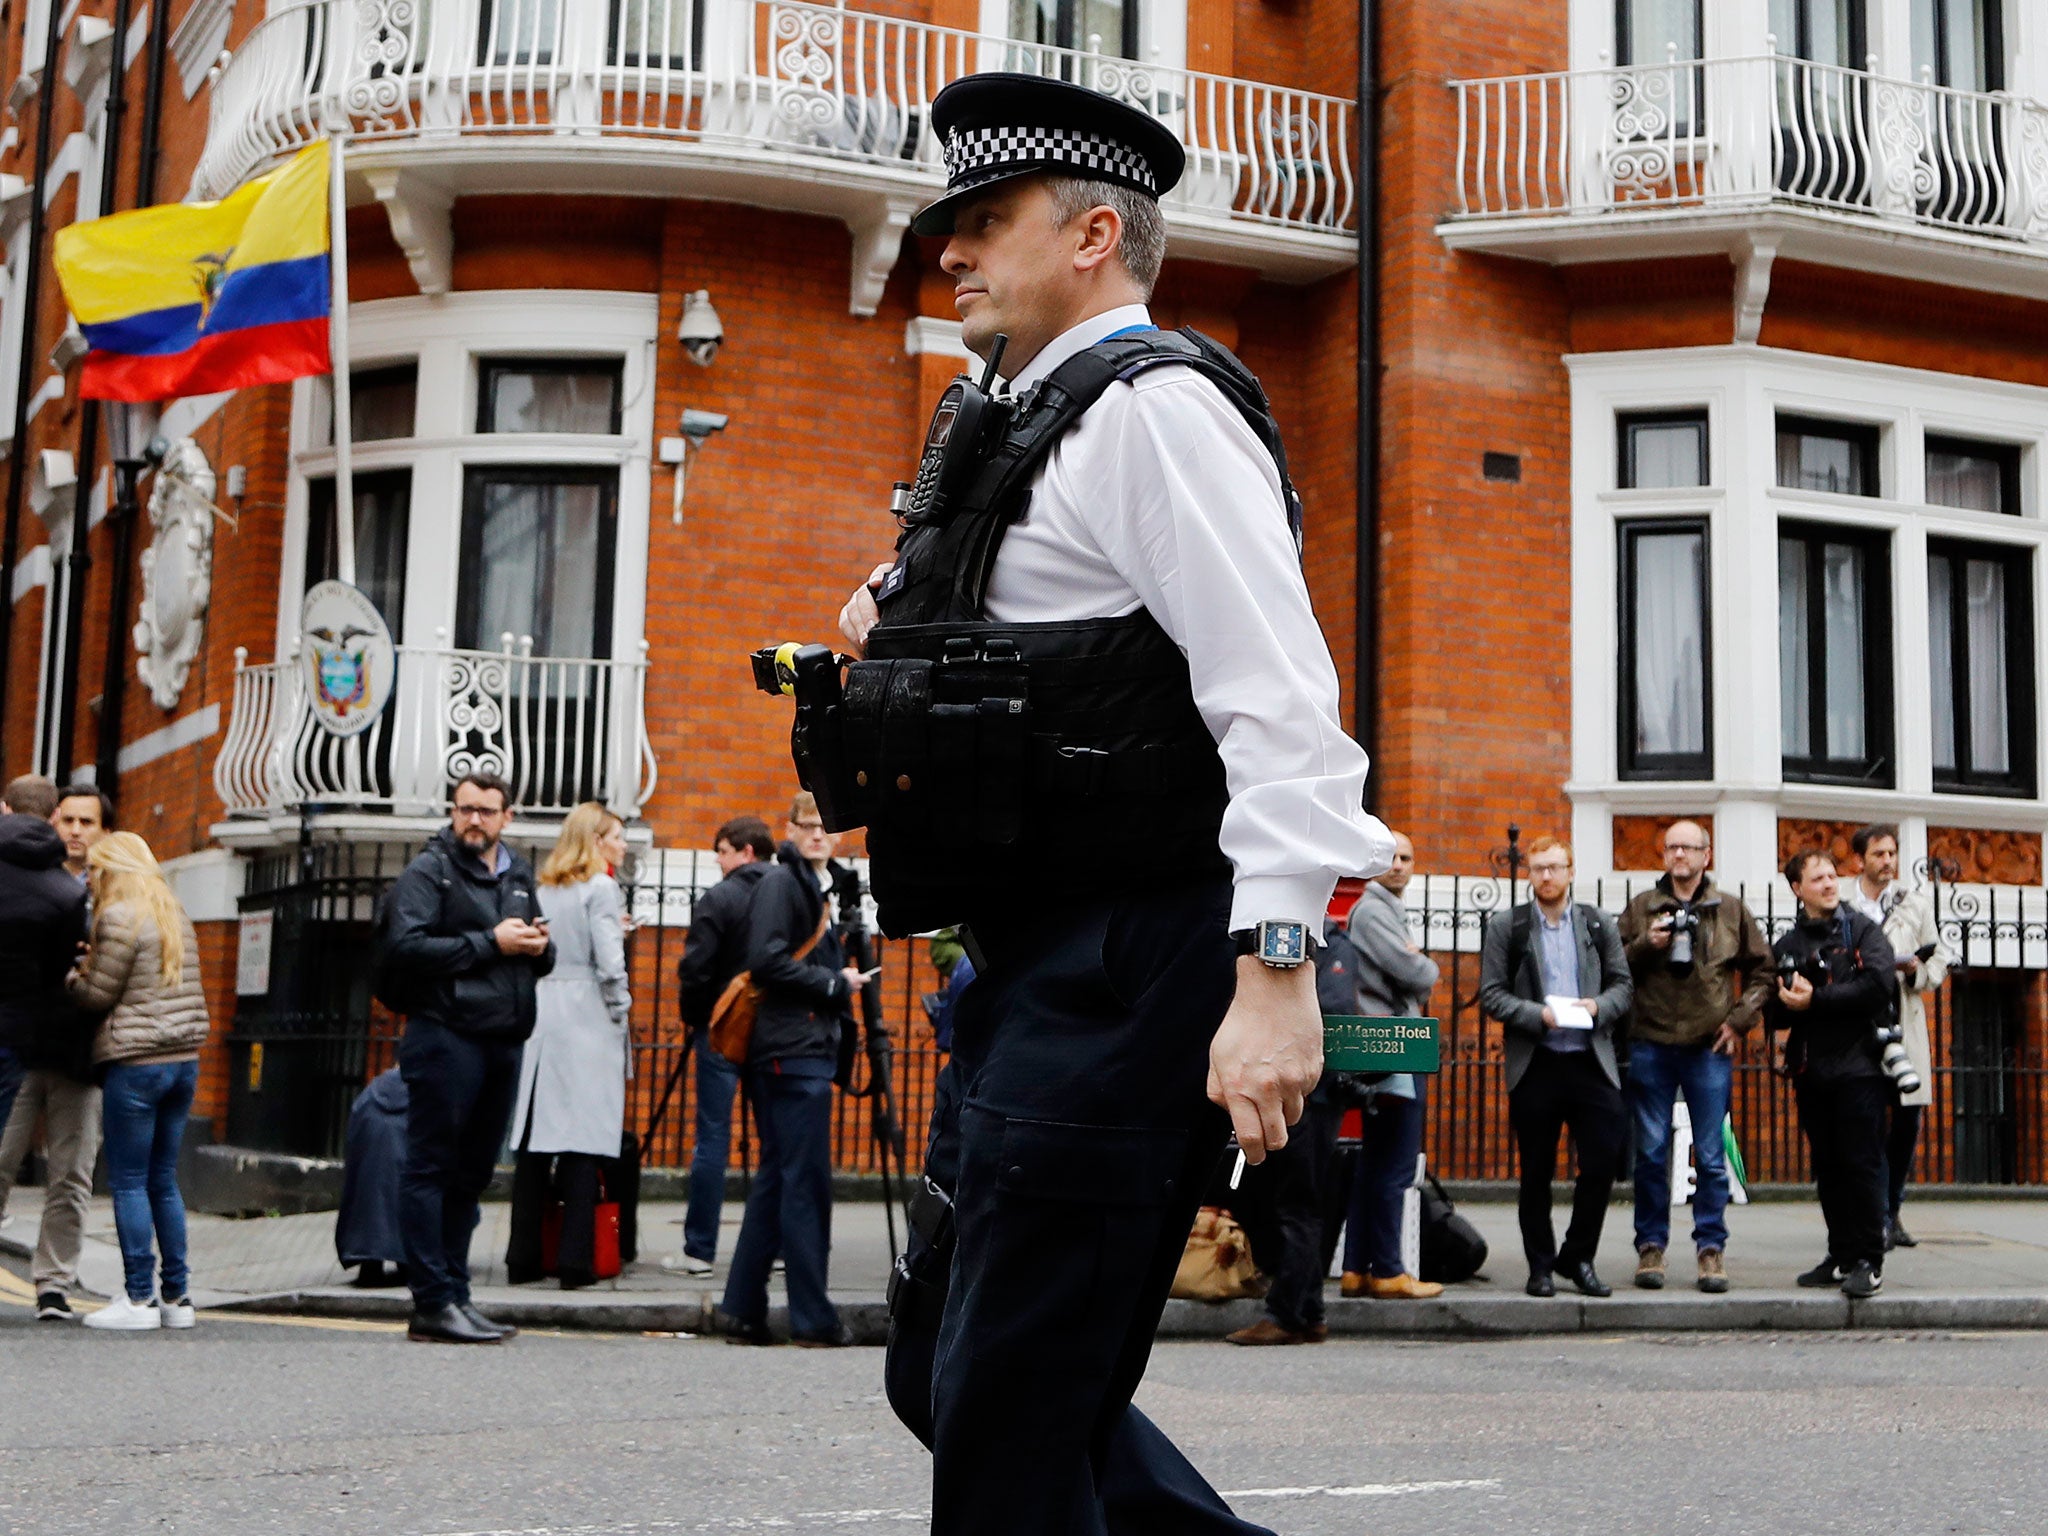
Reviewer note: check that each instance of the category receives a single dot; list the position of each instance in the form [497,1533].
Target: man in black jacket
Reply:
[43,1040]
[806,991]
[1836,981]
[715,952]
[465,931]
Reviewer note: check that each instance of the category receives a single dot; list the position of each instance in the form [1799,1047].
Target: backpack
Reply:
[1337,970]
[398,987]
[1452,1249]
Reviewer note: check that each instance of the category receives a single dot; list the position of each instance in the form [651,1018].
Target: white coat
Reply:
[572,1077]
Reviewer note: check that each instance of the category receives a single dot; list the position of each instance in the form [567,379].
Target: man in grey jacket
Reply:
[1554,974]
[1395,979]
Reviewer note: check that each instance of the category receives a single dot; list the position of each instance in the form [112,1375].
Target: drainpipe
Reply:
[1366,675]
[31,308]
[79,561]
[128,469]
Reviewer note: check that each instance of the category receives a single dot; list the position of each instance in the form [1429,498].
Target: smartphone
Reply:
[871,975]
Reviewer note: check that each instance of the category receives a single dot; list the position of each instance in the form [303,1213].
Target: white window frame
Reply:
[447,336]
[1743,389]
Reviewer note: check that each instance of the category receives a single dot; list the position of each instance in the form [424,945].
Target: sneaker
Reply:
[1650,1268]
[1896,1236]
[125,1316]
[1863,1282]
[179,1313]
[1713,1273]
[54,1307]
[1822,1275]
[686,1264]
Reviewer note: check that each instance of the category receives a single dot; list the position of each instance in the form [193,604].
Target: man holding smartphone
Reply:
[1702,973]
[463,927]
[1907,918]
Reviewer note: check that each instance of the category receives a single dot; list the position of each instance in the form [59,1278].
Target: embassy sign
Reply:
[1354,1044]
[349,658]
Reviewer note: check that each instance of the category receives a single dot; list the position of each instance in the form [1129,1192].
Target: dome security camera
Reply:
[701,331]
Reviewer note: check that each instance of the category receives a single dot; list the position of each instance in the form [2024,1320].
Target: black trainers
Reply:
[1896,1236]
[1863,1282]
[1826,1273]
[53,1307]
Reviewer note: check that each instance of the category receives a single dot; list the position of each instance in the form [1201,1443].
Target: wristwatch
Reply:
[1282,945]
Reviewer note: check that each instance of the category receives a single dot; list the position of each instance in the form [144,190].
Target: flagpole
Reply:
[337,346]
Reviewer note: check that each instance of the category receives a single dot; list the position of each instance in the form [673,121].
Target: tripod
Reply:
[878,1044]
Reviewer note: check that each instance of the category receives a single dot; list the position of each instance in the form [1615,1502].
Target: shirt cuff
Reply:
[1282,899]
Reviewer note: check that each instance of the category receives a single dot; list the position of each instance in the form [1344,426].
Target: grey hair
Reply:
[1143,247]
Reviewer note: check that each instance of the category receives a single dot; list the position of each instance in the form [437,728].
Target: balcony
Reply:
[783,104]
[559,730]
[1769,154]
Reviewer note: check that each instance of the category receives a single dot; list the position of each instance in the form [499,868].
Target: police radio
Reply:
[967,412]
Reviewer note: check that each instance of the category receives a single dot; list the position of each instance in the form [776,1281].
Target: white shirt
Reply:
[1161,498]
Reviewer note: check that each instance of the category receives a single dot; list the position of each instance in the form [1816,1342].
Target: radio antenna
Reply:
[995,358]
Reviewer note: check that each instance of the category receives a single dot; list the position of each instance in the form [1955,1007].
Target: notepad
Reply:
[1569,1012]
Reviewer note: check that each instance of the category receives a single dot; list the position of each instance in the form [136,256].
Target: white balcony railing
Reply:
[808,84]
[559,730]
[1752,132]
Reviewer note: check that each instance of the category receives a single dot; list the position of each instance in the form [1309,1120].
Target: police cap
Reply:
[998,126]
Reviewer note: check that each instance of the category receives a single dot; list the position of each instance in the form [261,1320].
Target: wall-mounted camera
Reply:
[699,425]
[701,331]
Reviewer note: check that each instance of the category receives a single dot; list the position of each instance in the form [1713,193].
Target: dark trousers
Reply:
[1074,1133]
[717,1081]
[1899,1147]
[1390,1139]
[460,1092]
[1300,1170]
[1562,1089]
[538,1180]
[789,1208]
[1843,1119]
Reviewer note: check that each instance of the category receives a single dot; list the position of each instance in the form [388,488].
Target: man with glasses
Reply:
[463,927]
[1702,973]
[1552,972]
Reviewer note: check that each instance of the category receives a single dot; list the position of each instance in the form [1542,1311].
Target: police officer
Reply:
[1100,582]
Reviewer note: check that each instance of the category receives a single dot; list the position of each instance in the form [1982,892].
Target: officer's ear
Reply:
[1101,232]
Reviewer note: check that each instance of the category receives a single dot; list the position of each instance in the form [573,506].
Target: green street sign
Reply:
[1353,1044]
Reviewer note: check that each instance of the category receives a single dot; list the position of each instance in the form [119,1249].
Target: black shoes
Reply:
[1540,1284]
[1581,1275]
[836,1338]
[376,1275]
[451,1324]
[1821,1276]
[1863,1282]
[488,1324]
[1896,1236]
[54,1307]
[738,1330]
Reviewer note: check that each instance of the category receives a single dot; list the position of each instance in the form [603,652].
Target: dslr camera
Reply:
[1685,923]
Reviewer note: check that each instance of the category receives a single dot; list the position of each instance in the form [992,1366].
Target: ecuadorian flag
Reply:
[194,298]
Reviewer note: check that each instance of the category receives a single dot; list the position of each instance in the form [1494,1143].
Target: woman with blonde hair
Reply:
[571,1107]
[142,971]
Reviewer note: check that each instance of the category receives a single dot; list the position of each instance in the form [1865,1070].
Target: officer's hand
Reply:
[1267,1054]
[860,613]
[1726,1041]
[1660,933]
[1798,996]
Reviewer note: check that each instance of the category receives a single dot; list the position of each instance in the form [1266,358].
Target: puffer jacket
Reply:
[146,1020]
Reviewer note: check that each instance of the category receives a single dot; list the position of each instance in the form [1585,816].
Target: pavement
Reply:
[1980,1264]
[254,1426]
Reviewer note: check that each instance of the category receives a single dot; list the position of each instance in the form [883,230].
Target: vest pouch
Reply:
[981,736]
[897,772]
[817,745]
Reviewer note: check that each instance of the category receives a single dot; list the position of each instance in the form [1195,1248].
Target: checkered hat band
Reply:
[975,151]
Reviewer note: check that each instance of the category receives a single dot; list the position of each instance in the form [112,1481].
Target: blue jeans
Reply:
[1390,1140]
[789,1209]
[1656,1073]
[143,1107]
[717,1079]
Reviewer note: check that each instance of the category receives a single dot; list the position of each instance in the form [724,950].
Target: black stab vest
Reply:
[999,765]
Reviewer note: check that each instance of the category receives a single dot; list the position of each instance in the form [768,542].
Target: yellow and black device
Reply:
[967,413]
[814,676]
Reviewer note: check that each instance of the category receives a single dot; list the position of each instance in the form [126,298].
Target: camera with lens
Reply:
[1898,1066]
[1685,923]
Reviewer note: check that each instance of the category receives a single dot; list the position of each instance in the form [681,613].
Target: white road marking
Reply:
[1363,1490]
[830,1518]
